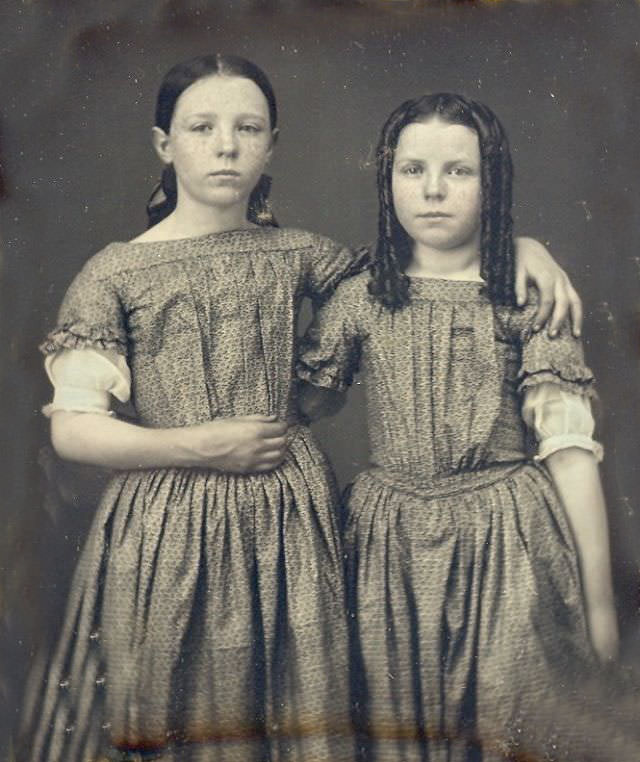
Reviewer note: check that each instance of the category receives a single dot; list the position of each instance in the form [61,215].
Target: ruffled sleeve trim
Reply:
[565,441]
[560,419]
[78,401]
[578,379]
[79,335]
[325,378]
[559,360]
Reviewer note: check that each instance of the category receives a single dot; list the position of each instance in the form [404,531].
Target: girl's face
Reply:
[219,141]
[436,184]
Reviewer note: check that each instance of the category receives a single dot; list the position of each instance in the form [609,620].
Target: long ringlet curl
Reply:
[389,283]
[164,196]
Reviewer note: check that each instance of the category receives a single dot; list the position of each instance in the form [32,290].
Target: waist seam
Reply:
[447,486]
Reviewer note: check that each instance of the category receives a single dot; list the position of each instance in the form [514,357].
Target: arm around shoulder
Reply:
[558,298]
[330,350]
[329,263]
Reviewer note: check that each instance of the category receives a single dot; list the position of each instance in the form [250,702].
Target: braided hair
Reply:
[388,283]
[164,197]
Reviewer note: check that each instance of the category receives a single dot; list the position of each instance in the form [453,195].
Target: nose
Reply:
[434,186]
[227,143]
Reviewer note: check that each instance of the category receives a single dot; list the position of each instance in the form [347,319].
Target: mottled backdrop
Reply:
[78,86]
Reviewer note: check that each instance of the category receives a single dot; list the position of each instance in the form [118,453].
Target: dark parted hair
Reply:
[164,197]
[388,283]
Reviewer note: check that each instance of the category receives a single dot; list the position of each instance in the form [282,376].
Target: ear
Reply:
[274,140]
[162,144]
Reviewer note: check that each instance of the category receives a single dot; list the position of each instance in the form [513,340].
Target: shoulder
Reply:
[349,306]
[106,263]
[517,322]
[354,291]
[295,238]
[122,258]
[93,299]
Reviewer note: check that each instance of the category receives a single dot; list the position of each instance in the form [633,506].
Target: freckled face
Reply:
[220,140]
[436,184]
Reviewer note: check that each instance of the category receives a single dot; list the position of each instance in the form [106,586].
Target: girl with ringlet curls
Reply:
[479,579]
[206,616]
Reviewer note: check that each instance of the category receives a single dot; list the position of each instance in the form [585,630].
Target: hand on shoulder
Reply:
[557,299]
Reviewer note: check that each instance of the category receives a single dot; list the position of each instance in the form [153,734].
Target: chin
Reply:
[441,243]
[225,197]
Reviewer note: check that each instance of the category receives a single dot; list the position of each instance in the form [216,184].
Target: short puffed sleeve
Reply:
[560,419]
[330,351]
[85,379]
[91,314]
[86,351]
[555,383]
[327,263]
[559,360]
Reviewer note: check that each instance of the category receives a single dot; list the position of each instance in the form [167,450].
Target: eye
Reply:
[411,170]
[251,129]
[461,170]
[201,127]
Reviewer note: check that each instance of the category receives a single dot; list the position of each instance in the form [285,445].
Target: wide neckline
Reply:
[437,279]
[463,290]
[218,235]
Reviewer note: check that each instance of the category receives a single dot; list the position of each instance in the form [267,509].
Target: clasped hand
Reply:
[242,444]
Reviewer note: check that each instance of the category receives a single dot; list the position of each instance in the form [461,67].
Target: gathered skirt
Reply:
[206,621]
[468,629]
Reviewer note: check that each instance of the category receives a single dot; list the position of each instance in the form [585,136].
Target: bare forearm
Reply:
[104,441]
[241,444]
[575,475]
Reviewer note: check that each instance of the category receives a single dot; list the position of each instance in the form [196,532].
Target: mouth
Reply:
[434,215]
[224,173]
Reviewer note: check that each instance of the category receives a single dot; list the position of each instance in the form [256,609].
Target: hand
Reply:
[557,295]
[603,628]
[240,445]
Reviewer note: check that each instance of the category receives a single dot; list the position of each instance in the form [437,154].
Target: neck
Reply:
[193,219]
[460,263]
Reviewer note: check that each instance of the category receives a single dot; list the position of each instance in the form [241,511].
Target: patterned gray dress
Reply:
[463,580]
[206,616]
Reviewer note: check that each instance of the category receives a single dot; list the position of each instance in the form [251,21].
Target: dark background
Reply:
[78,88]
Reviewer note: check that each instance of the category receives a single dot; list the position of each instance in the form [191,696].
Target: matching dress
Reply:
[206,616]
[468,630]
